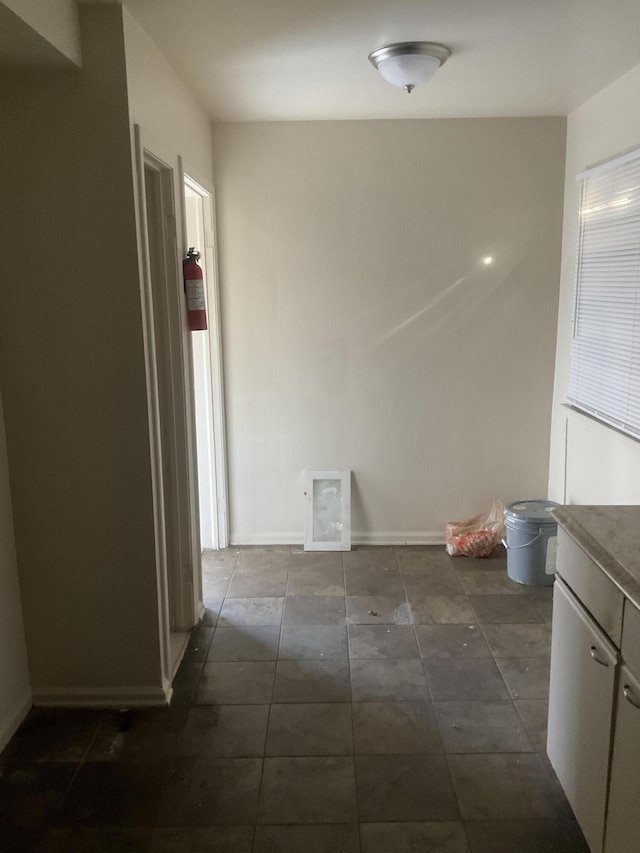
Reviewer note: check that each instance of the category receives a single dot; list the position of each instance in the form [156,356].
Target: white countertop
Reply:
[610,535]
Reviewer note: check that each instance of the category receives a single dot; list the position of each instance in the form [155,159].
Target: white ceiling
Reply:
[268,60]
[307,59]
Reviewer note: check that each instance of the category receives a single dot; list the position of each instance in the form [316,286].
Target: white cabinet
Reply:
[581,699]
[594,696]
[623,818]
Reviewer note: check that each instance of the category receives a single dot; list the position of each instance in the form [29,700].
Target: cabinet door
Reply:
[581,693]
[623,816]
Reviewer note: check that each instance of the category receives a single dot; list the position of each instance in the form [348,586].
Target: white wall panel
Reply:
[362,330]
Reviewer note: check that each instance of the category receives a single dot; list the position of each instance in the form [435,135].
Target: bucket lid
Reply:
[538,511]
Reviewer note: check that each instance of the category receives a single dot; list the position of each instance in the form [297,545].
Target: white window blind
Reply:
[605,350]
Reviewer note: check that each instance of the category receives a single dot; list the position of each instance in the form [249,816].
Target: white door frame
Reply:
[215,456]
[174,483]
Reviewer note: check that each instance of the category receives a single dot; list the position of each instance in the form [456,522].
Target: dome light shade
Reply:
[407,64]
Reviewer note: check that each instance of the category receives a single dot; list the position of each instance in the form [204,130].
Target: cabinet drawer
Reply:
[631,636]
[597,593]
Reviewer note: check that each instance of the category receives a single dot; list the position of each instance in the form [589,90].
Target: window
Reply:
[605,348]
[328,510]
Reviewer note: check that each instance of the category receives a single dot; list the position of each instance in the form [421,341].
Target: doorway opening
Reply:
[185,396]
[170,408]
[206,354]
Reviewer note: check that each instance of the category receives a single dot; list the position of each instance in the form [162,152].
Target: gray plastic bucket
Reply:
[531,540]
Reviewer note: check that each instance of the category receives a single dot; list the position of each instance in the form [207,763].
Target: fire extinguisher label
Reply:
[195,295]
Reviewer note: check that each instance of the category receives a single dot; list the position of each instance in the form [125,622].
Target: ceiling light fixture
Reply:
[406,64]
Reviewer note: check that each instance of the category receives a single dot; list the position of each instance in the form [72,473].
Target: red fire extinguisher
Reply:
[194,290]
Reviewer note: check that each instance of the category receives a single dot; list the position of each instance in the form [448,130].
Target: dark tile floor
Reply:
[384,700]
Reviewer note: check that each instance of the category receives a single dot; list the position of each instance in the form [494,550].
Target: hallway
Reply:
[380,700]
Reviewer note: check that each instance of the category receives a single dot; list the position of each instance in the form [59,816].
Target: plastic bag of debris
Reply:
[478,536]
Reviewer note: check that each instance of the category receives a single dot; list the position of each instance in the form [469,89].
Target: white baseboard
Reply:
[103,697]
[266,539]
[15,716]
[386,537]
[178,641]
[392,537]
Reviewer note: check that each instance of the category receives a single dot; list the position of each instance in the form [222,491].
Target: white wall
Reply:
[591,463]
[72,360]
[73,377]
[361,329]
[55,22]
[176,130]
[15,694]
[163,106]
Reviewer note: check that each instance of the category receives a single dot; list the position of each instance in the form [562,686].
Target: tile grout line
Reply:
[351,703]
[544,777]
[266,733]
[509,701]
[215,630]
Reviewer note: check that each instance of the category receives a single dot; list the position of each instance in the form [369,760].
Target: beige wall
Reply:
[172,121]
[591,463]
[72,374]
[361,329]
[15,694]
